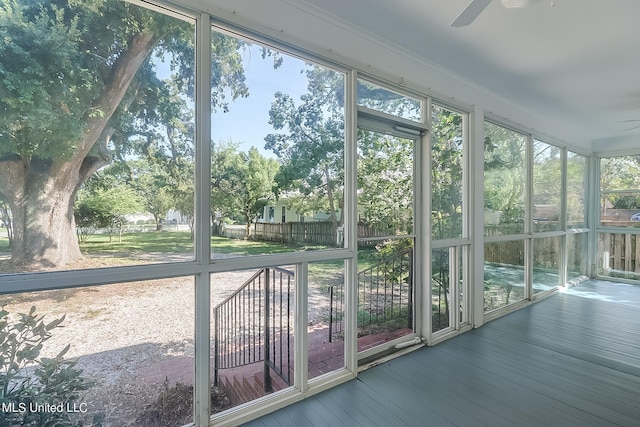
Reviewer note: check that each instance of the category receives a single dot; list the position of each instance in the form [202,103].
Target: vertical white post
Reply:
[301,351]
[564,250]
[351,223]
[476,210]
[593,213]
[422,254]
[528,219]
[202,333]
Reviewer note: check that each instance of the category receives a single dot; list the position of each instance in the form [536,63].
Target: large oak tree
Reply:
[77,80]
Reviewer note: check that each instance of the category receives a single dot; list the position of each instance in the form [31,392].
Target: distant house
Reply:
[279,213]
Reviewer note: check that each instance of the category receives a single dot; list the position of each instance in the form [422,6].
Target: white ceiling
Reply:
[571,70]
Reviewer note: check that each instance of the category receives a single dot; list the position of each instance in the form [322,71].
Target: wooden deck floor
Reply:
[570,360]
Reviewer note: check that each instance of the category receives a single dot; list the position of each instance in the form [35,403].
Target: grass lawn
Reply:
[139,243]
[179,242]
[4,240]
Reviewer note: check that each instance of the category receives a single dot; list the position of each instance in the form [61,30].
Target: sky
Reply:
[247,122]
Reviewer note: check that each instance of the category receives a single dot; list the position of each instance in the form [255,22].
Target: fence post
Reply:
[268,387]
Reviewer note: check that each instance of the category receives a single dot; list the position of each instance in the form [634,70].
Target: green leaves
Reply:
[53,381]
[42,82]
[309,141]
[385,182]
[242,183]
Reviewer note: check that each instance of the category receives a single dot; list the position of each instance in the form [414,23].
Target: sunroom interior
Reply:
[211,210]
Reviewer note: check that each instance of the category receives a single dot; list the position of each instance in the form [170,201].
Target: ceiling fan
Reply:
[476,7]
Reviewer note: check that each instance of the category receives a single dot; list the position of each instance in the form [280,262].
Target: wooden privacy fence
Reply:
[546,252]
[619,251]
[314,233]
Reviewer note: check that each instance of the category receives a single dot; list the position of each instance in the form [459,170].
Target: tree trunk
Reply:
[43,223]
[41,192]
[332,204]
[247,219]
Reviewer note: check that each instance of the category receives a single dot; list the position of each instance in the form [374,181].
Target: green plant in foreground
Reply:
[34,390]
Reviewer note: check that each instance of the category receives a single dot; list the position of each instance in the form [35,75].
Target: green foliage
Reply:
[43,80]
[504,173]
[547,170]
[385,182]
[395,260]
[87,83]
[446,173]
[241,183]
[620,182]
[27,379]
[107,208]
[381,99]
[309,141]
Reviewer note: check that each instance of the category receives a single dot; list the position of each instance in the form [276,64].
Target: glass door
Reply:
[386,284]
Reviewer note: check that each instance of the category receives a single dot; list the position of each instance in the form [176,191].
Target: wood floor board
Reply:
[572,359]
[571,371]
[358,402]
[546,387]
[422,403]
[450,402]
[508,388]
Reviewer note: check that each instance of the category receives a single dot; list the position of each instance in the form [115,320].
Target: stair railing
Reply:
[385,294]
[255,324]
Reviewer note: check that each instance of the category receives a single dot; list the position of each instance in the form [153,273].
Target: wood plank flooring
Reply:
[570,360]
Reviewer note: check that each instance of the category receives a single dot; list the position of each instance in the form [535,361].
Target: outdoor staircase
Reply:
[245,383]
[254,335]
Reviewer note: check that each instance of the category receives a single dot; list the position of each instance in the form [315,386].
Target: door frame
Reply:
[375,121]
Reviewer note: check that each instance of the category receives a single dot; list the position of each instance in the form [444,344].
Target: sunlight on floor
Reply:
[619,293]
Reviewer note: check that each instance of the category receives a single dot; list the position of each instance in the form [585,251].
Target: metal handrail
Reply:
[385,294]
[255,324]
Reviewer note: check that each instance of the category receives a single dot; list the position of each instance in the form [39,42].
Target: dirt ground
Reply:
[132,339]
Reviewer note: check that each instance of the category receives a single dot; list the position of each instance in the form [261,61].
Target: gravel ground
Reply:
[130,337]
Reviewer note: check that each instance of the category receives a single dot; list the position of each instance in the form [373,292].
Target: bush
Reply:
[34,390]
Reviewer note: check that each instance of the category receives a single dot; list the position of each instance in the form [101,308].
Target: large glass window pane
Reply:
[326,311]
[385,185]
[547,254]
[252,332]
[117,355]
[504,180]
[503,274]
[547,187]
[385,288]
[576,189]
[620,191]
[577,261]
[96,147]
[385,257]
[447,165]
[619,255]
[277,153]
[440,285]
[448,295]
[387,101]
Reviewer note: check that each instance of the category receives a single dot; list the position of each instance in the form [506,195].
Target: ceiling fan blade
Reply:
[472,11]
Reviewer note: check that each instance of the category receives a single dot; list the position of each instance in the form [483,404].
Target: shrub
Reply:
[33,388]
